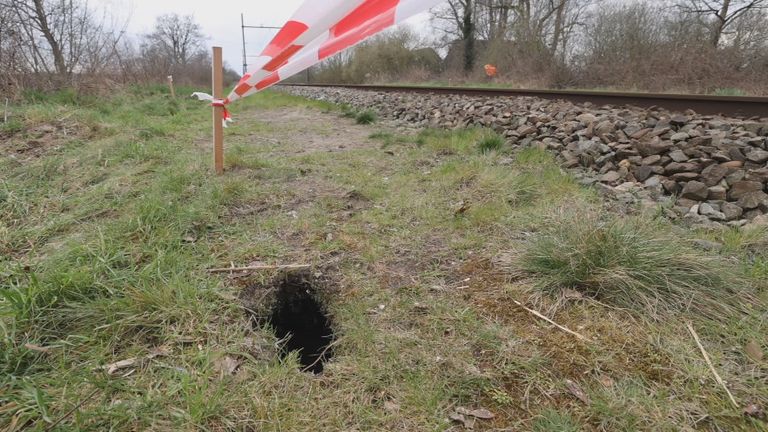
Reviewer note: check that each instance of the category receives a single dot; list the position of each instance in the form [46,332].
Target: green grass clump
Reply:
[730,91]
[490,143]
[12,127]
[365,117]
[632,263]
[553,421]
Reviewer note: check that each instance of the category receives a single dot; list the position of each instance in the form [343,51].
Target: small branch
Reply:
[321,357]
[563,328]
[711,366]
[260,268]
[79,405]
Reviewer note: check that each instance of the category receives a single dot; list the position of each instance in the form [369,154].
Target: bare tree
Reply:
[458,20]
[722,12]
[178,38]
[58,37]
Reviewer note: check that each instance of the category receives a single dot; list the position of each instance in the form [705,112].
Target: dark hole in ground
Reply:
[300,320]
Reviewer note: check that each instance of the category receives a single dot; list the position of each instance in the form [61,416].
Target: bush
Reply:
[630,263]
[366,117]
[490,142]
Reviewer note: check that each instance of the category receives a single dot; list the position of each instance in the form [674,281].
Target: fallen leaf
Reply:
[461,208]
[606,381]
[576,391]
[754,411]
[480,413]
[391,406]
[754,352]
[122,364]
[37,348]
[572,294]
[161,351]
[227,365]
[468,423]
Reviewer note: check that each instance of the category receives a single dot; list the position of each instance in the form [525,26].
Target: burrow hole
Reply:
[300,321]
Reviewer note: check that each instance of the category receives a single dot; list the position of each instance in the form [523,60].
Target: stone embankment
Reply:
[712,170]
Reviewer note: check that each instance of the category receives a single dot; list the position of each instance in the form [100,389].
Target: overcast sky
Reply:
[220,20]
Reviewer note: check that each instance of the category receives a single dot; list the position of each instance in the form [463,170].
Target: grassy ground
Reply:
[110,218]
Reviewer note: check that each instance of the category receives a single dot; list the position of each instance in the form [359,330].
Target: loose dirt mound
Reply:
[39,140]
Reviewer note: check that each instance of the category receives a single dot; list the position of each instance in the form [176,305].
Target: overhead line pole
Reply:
[245,51]
[245,55]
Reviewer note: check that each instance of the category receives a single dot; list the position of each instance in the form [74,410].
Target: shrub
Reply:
[366,117]
[631,263]
[490,142]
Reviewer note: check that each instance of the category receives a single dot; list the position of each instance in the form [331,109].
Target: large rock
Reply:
[759,175]
[653,147]
[754,200]
[643,172]
[712,174]
[680,136]
[758,156]
[741,188]
[731,211]
[717,193]
[695,190]
[678,156]
[610,177]
[711,212]
[678,167]
[586,118]
[651,160]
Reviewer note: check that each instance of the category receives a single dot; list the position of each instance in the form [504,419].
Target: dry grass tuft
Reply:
[633,263]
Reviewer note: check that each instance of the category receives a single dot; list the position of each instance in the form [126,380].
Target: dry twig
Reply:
[711,366]
[563,328]
[79,405]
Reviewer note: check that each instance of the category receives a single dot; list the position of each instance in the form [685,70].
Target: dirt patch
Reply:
[39,140]
[312,132]
[292,306]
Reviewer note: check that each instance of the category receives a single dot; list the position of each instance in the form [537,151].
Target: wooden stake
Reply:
[218,112]
[711,366]
[563,328]
[170,85]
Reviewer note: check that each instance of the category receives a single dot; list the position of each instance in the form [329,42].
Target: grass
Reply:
[730,92]
[365,117]
[490,143]
[106,235]
[633,263]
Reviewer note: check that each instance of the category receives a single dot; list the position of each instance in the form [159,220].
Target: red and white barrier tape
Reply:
[315,33]
[227,117]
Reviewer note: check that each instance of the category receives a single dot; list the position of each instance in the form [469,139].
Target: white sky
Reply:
[220,20]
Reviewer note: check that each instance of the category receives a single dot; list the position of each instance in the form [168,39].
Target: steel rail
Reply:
[731,106]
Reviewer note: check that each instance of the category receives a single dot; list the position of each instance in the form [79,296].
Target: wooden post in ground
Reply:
[218,111]
[170,85]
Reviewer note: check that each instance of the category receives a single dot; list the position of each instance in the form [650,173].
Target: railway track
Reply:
[731,106]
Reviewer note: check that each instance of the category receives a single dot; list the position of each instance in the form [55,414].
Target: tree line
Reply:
[53,44]
[651,45]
